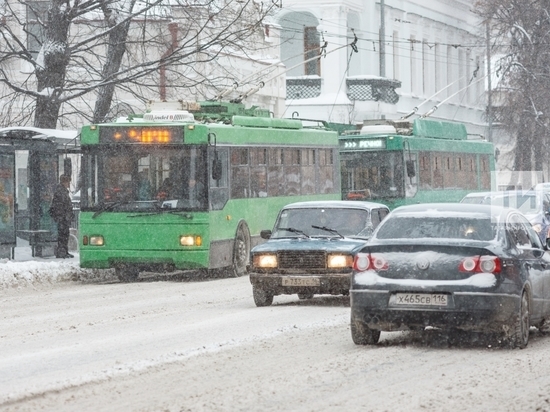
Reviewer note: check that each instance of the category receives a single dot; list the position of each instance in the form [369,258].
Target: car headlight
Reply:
[264,261]
[190,240]
[339,261]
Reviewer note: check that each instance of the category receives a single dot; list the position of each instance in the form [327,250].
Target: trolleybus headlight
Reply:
[265,261]
[339,261]
[191,240]
[96,241]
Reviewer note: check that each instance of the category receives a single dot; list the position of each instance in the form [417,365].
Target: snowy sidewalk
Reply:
[28,271]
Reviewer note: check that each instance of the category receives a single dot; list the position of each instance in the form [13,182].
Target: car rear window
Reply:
[409,227]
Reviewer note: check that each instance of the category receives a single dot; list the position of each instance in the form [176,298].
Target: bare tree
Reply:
[520,33]
[80,56]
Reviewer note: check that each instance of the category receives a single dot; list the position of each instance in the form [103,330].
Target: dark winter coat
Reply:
[61,208]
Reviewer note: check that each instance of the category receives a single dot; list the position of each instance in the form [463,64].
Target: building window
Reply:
[37,15]
[311,49]
[396,52]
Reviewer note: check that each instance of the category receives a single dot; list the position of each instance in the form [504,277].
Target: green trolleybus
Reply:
[403,162]
[189,187]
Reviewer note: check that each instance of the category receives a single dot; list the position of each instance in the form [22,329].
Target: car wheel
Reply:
[305,295]
[361,334]
[127,274]
[520,327]
[241,251]
[261,297]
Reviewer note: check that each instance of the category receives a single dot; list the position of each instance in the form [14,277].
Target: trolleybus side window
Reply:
[292,172]
[275,172]
[258,172]
[240,173]
[326,171]
[308,171]
[261,172]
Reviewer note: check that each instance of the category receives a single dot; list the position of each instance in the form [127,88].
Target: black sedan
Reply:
[454,267]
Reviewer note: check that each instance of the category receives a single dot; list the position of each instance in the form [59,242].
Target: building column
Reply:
[333,67]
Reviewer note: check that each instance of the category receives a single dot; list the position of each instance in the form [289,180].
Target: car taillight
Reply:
[366,261]
[480,264]
[490,264]
[378,262]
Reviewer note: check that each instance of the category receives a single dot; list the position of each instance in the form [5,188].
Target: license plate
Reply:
[419,299]
[300,281]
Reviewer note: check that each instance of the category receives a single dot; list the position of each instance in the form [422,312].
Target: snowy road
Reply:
[182,345]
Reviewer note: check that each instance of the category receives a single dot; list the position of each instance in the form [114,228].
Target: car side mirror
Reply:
[265,234]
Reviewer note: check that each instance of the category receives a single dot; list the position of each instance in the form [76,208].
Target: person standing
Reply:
[61,212]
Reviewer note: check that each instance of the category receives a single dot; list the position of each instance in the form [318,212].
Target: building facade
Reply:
[383,59]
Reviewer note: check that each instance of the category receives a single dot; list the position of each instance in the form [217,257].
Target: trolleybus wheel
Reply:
[127,274]
[241,250]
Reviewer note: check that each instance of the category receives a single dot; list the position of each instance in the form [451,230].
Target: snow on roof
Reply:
[55,135]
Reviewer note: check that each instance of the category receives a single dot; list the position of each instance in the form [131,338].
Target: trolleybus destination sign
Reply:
[143,134]
[358,144]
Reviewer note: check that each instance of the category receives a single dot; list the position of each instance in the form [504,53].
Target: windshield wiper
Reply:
[291,229]
[108,206]
[181,213]
[327,229]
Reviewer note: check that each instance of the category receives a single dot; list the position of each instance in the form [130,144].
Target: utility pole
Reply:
[382,40]
[489,87]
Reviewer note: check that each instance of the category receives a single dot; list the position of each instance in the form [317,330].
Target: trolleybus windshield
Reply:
[375,174]
[148,178]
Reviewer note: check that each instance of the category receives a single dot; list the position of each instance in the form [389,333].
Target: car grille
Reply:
[302,260]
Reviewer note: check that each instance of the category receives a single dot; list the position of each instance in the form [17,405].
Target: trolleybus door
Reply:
[8,239]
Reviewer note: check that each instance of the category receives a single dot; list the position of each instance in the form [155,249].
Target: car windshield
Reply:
[412,227]
[299,222]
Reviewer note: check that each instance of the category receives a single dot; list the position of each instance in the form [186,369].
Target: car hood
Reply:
[307,244]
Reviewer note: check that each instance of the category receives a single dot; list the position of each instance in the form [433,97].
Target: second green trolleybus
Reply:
[189,187]
[403,162]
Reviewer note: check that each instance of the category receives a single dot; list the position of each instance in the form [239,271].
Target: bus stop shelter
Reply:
[31,160]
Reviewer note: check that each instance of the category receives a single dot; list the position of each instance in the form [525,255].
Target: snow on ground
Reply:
[28,271]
